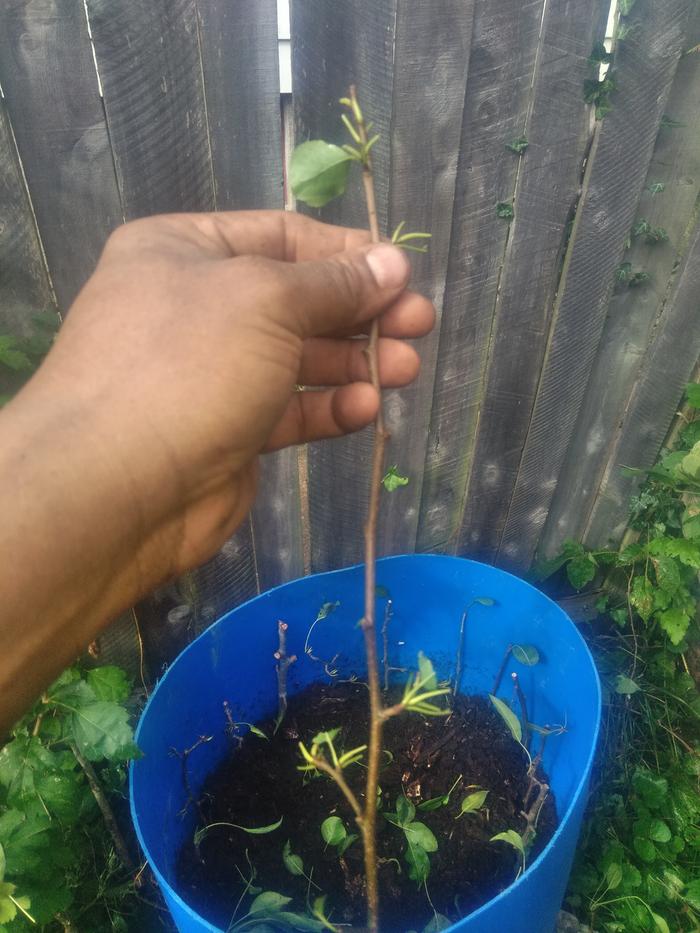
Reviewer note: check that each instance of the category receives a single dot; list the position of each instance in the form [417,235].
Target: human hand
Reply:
[187,343]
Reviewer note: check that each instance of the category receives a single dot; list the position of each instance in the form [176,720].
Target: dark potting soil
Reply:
[260,782]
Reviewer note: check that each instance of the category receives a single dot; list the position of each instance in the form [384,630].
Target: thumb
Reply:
[329,295]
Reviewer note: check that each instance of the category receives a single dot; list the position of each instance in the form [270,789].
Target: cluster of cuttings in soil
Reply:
[259,783]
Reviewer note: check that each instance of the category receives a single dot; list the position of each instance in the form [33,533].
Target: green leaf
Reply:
[484,600]
[675,623]
[251,830]
[298,921]
[433,804]
[625,686]
[3,863]
[613,876]
[326,610]
[405,811]
[642,597]
[333,831]
[102,730]
[652,789]
[692,393]
[687,552]
[473,802]
[600,55]
[260,734]
[269,902]
[418,834]
[318,172]
[526,654]
[27,838]
[644,848]
[508,717]
[20,761]
[690,464]
[660,923]
[293,863]
[10,356]
[692,894]
[439,922]
[347,842]
[428,677]
[505,210]
[581,571]
[519,145]
[512,838]
[392,479]
[109,683]
[659,831]
[418,863]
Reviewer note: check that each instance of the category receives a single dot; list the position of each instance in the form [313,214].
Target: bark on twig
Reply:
[284,662]
[501,670]
[523,709]
[183,756]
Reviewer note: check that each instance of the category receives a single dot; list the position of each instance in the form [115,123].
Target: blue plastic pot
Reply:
[233,660]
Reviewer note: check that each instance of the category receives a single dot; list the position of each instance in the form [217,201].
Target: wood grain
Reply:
[498,92]
[24,282]
[615,178]
[634,312]
[558,128]
[48,76]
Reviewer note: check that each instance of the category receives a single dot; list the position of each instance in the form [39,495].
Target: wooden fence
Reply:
[548,370]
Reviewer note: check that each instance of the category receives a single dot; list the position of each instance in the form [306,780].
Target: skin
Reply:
[131,456]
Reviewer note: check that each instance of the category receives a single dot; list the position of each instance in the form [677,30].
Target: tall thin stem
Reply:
[369,820]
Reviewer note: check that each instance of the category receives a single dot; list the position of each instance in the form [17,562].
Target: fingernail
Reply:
[388,265]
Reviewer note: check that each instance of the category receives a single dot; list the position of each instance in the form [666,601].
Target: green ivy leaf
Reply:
[675,623]
[20,761]
[109,683]
[526,654]
[687,552]
[473,802]
[318,172]
[102,730]
[392,479]
[581,571]
[509,717]
[333,831]
[418,834]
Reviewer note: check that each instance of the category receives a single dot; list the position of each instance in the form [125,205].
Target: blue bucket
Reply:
[233,660]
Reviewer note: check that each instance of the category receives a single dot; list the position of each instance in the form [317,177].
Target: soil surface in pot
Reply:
[260,782]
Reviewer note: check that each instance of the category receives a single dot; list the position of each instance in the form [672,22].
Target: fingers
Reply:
[282,235]
[411,316]
[312,416]
[322,297]
[327,362]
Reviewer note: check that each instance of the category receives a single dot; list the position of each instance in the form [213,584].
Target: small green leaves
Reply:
[251,830]
[598,93]
[293,863]
[405,811]
[268,902]
[513,839]
[318,172]
[434,803]
[418,834]
[333,831]
[505,210]
[485,601]
[508,717]
[422,687]
[418,864]
[625,686]
[526,654]
[392,479]
[420,839]
[407,240]
[518,145]
[600,55]
[335,834]
[656,188]
[472,802]
[692,394]
[651,234]
[668,123]
[11,356]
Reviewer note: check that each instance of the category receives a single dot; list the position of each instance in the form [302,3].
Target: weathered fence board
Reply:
[48,76]
[332,46]
[432,57]
[501,68]
[558,129]
[149,61]
[669,365]
[615,177]
[24,283]
[633,312]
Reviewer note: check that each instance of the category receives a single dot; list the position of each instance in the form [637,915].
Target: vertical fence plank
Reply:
[668,366]
[432,58]
[558,129]
[502,59]
[151,69]
[614,180]
[24,283]
[48,76]
[150,66]
[633,312]
[334,45]
[241,79]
